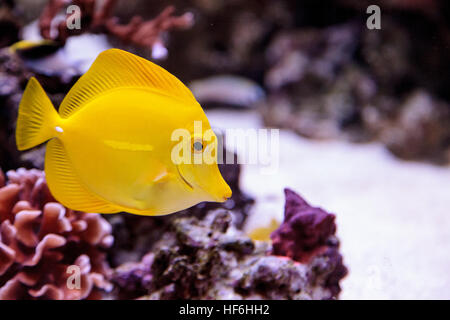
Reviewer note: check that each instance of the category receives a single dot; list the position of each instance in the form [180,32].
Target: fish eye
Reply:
[198,146]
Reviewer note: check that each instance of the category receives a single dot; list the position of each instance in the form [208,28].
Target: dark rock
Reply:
[203,259]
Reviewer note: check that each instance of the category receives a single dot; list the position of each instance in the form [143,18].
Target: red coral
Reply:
[148,33]
[40,239]
[137,32]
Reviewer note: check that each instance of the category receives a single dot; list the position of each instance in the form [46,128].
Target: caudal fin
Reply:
[37,117]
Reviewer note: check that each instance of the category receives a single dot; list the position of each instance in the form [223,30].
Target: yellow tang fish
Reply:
[28,44]
[263,233]
[112,144]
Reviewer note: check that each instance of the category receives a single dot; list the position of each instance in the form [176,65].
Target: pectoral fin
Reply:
[162,176]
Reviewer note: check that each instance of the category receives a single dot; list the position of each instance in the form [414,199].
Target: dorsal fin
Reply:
[115,68]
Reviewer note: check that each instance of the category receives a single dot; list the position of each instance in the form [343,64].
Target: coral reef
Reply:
[345,81]
[309,233]
[40,239]
[196,254]
[210,259]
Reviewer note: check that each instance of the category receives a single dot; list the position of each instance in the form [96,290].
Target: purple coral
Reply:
[308,232]
[304,231]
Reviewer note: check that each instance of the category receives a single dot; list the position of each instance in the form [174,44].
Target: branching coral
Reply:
[308,233]
[211,259]
[137,32]
[40,239]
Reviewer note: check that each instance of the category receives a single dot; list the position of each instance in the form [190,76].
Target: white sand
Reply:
[393,216]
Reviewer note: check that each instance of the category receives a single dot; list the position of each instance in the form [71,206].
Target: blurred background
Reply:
[364,113]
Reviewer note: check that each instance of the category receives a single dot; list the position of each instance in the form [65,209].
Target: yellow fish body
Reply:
[111,145]
[263,233]
[28,44]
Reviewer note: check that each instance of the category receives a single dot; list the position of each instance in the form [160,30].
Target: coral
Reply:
[138,32]
[40,239]
[210,259]
[304,231]
[308,233]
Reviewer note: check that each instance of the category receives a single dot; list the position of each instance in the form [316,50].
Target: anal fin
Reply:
[66,186]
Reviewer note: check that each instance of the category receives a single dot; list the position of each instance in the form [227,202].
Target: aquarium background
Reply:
[364,119]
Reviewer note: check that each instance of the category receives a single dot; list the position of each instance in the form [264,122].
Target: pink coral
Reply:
[40,239]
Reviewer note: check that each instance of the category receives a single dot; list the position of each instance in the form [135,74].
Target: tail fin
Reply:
[37,117]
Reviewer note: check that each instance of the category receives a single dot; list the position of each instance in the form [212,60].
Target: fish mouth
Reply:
[184,179]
